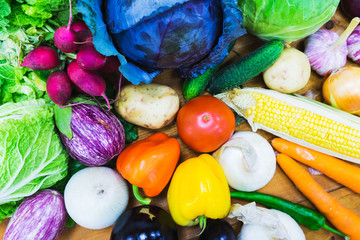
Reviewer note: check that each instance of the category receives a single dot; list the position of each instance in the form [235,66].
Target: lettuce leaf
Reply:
[31,154]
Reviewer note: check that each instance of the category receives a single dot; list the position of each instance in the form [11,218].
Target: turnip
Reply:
[112,64]
[65,37]
[90,59]
[41,58]
[59,87]
[95,197]
[88,81]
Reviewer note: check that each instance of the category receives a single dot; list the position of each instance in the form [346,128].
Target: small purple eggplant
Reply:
[98,135]
[41,217]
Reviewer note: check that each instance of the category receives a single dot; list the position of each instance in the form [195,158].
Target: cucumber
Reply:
[246,68]
[193,87]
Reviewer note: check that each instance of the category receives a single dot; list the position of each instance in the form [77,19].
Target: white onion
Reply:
[248,161]
[95,197]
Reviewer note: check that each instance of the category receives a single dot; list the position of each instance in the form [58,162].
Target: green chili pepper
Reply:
[303,215]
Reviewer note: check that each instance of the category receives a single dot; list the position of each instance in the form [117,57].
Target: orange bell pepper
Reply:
[149,163]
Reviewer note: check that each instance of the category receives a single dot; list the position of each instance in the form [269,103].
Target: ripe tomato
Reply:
[205,123]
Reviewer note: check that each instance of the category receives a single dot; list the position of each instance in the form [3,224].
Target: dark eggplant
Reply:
[351,8]
[218,229]
[144,222]
[98,135]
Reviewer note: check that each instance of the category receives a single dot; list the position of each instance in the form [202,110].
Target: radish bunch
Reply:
[83,74]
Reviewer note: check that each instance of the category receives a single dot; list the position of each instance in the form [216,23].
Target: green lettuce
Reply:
[36,13]
[288,20]
[31,154]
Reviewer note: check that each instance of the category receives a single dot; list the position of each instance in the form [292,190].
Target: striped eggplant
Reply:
[41,217]
[98,135]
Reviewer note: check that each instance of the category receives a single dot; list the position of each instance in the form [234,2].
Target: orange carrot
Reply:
[341,217]
[342,172]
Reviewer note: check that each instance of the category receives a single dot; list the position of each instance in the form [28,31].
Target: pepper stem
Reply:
[202,224]
[144,201]
[354,22]
[333,230]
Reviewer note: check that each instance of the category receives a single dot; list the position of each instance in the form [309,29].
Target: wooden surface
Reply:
[280,185]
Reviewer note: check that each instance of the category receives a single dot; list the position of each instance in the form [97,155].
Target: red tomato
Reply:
[205,123]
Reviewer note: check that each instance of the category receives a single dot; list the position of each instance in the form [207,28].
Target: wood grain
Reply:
[280,185]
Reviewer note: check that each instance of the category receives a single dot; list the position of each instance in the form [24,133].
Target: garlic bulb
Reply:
[327,51]
[265,224]
[353,44]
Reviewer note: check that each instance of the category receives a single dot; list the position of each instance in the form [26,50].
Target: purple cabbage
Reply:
[41,217]
[98,135]
[150,35]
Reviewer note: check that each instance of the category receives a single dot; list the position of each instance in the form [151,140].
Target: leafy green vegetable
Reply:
[287,20]
[26,13]
[73,167]
[7,209]
[130,131]
[31,154]
[63,120]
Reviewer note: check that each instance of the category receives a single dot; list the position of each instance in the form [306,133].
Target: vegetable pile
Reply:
[219,130]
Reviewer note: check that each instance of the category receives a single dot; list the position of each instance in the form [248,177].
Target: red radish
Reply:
[83,34]
[90,59]
[89,81]
[65,37]
[85,39]
[41,58]
[59,87]
[112,64]
[79,26]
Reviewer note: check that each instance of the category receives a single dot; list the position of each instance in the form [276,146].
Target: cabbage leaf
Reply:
[31,154]
[288,20]
[128,15]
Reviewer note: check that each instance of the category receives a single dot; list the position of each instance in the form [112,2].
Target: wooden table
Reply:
[280,185]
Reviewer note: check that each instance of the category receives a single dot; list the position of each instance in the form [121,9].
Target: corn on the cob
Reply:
[298,119]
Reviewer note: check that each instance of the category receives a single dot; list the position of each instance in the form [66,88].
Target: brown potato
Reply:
[150,105]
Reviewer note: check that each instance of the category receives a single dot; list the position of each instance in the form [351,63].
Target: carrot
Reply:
[342,172]
[341,217]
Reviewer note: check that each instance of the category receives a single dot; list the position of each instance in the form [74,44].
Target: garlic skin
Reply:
[353,44]
[265,224]
[323,55]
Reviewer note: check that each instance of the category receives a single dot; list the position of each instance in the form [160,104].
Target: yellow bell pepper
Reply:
[198,189]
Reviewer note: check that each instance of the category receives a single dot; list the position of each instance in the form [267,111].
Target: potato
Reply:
[289,73]
[148,105]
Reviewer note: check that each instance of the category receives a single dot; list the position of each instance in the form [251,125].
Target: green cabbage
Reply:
[288,20]
[31,154]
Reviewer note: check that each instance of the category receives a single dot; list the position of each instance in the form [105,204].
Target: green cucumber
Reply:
[193,87]
[246,68]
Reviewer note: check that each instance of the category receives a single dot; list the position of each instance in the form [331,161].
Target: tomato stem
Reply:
[144,201]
